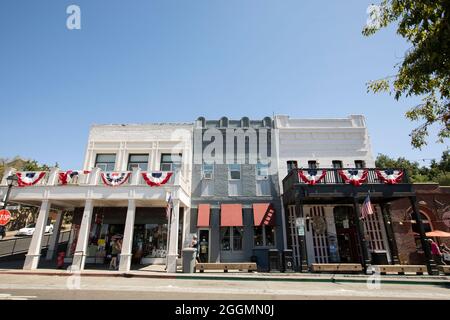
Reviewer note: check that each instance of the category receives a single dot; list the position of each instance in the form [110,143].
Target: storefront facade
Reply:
[236,207]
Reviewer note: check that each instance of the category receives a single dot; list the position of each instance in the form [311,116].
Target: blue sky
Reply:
[174,60]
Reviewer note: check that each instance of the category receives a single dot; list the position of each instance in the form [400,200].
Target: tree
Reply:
[425,69]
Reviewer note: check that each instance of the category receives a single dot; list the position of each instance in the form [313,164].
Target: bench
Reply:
[336,267]
[249,266]
[444,269]
[401,269]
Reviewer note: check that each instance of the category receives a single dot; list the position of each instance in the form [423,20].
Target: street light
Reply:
[11,181]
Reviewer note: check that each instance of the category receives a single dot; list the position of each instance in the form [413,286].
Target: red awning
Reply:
[263,214]
[203,215]
[231,215]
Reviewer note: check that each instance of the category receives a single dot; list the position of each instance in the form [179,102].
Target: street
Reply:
[31,287]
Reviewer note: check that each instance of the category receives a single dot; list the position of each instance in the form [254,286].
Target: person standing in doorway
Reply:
[114,253]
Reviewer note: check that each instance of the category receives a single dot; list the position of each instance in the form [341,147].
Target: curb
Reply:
[331,279]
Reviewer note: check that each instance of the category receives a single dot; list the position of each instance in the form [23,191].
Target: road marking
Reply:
[8,296]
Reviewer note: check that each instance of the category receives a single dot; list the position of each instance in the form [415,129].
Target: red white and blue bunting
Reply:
[156,179]
[355,177]
[69,175]
[390,176]
[311,176]
[26,179]
[114,179]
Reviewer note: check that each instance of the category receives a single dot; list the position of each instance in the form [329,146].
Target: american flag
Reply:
[169,206]
[366,208]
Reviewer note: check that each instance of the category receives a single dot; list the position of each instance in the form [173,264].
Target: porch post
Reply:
[362,238]
[125,254]
[79,257]
[54,239]
[173,239]
[302,241]
[386,213]
[431,264]
[34,251]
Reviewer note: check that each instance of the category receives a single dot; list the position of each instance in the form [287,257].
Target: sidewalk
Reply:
[159,272]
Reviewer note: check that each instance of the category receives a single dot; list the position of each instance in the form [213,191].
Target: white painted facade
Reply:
[323,140]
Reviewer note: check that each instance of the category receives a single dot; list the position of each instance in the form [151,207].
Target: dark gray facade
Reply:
[214,184]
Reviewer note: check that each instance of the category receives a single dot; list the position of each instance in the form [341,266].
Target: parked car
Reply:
[29,230]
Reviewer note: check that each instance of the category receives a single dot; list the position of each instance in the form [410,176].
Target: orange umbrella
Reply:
[438,233]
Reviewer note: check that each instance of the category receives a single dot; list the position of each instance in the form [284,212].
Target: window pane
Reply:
[312,164]
[138,158]
[225,239]
[175,158]
[106,158]
[235,175]
[270,236]
[142,166]
[110,167]
[237,238]
[262,169]
[258,240]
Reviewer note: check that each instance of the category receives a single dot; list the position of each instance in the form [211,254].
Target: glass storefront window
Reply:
[237,238]
[264,236]
[225,236]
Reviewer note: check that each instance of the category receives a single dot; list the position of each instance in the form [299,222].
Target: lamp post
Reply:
[11,180]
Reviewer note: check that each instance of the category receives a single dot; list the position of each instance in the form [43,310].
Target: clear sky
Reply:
[174,60]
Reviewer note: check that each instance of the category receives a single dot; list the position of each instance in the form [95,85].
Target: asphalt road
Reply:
[32,287]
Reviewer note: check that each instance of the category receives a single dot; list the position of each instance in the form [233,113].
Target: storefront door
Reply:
[348,245]
[203,247]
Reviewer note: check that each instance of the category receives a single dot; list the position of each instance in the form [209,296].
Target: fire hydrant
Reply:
[60,260]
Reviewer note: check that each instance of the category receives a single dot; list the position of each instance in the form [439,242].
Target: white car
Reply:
[29,230]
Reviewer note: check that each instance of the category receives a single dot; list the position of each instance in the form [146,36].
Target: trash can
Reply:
[188,257]
[274,260]
[288,261]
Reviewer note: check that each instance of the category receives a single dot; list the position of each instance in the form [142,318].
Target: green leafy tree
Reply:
[425,69]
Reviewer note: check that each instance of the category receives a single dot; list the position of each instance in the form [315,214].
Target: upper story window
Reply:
[170,161]
[312,164]
[234,172]
[262,171]
[138,161]
[360,164]
[106,161]
[337,164]
[207,171]
[292,164]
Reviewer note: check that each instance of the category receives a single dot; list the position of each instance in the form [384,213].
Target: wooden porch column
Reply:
[125,254]
[34,251]
[386,213]
[360,231]
[431,265]
[79,257]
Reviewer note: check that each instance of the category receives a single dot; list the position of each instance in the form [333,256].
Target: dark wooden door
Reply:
[348,245]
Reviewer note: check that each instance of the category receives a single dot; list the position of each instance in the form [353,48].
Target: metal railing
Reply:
[20,245]
[332,176]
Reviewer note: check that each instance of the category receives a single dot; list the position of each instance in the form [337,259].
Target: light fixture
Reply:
[11,180]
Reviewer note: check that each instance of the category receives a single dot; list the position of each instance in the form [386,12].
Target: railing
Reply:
[332,176]
[14,246]
[96,177]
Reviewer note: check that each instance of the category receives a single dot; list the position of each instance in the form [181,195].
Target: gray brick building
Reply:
[236,207]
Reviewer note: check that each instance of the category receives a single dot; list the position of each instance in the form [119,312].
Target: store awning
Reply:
[231,215]
[263,214]
[438,233]
[203,215]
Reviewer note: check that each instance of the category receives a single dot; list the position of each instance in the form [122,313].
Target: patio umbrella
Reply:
[438,233]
